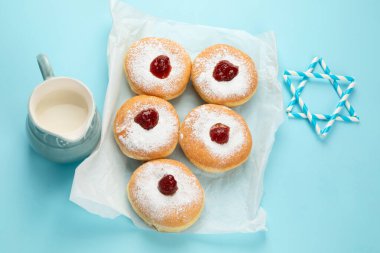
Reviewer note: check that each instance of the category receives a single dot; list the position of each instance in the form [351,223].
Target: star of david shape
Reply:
[314,117]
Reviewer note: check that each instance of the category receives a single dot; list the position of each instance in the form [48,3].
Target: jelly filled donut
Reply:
[215,138]
[166,195]
[224,75]
[146,128]
[157,67]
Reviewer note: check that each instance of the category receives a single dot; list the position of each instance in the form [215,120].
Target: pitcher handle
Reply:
[45,67]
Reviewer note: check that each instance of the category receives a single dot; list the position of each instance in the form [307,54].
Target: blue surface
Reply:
[319,196]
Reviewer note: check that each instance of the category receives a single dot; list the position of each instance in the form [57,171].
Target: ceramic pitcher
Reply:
[63,123]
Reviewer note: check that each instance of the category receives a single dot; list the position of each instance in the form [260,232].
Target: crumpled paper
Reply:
[233,198]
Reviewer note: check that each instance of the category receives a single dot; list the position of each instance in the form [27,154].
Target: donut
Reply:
[146,128]
[157,67]
[215,138]
[166,195]
[224,75]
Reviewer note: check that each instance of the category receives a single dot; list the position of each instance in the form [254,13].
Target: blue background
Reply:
[320,196]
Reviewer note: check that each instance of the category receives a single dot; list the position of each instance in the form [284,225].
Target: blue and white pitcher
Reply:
[63,123]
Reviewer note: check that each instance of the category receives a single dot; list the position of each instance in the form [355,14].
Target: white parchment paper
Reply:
[233,198]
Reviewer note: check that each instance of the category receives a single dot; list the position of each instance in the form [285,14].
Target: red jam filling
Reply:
[225,71]
[220,133]
[160,66]
[167,185]
[147,119]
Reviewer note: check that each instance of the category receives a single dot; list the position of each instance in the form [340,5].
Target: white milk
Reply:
[62,112]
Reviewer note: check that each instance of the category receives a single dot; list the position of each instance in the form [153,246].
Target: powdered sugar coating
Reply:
[157,206]
[201,119]
[204,65]
[140,140]
[142,53]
